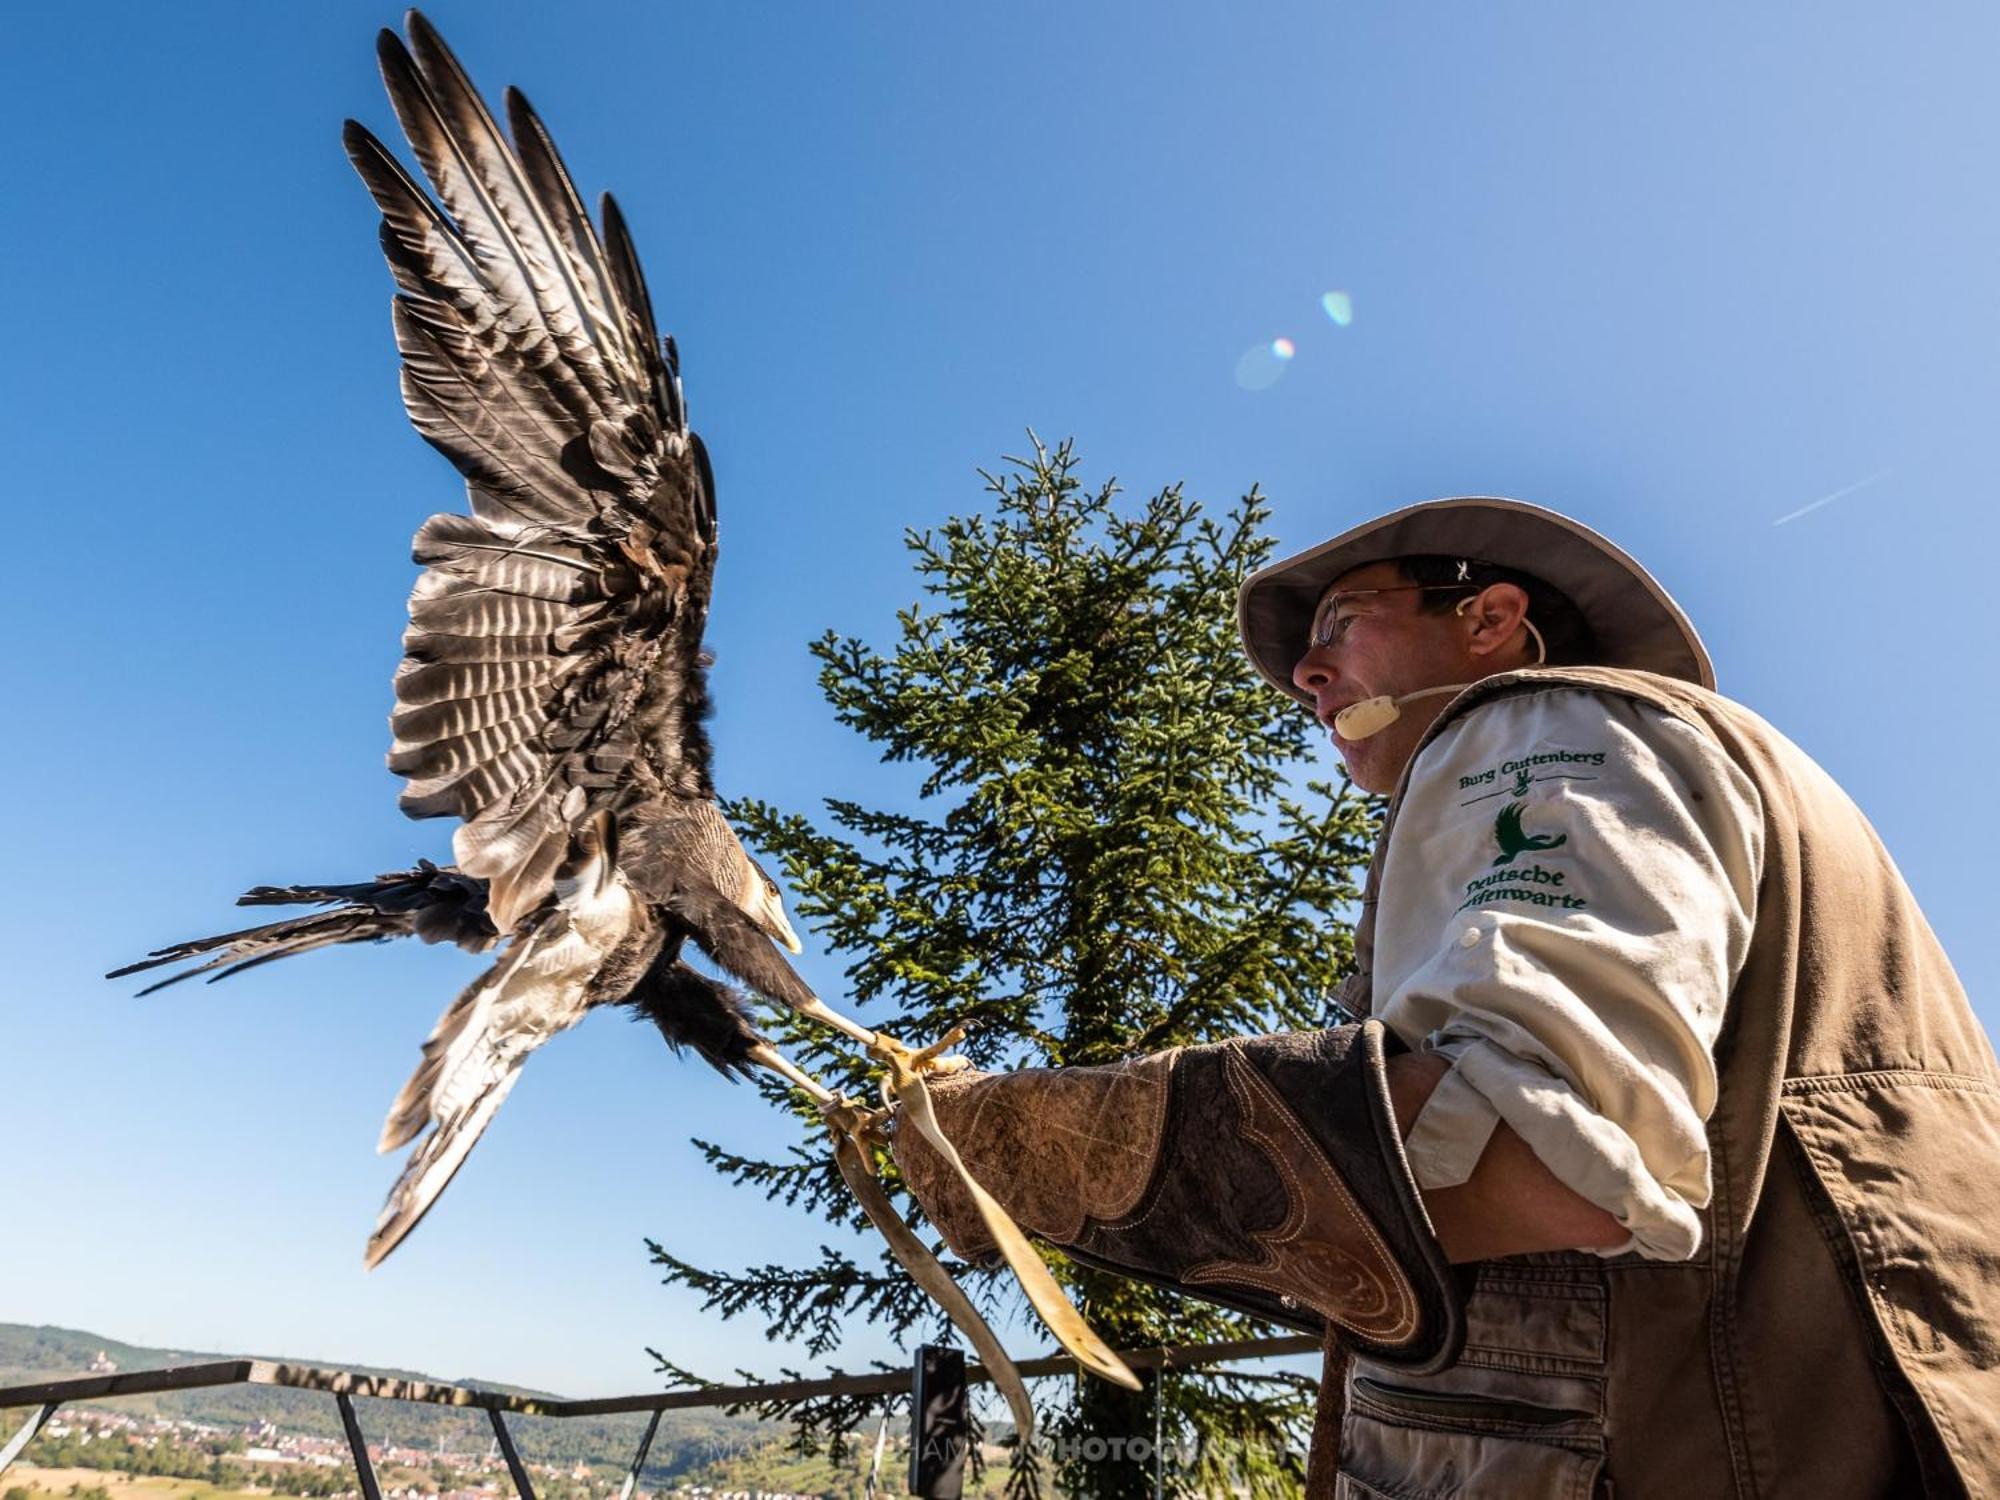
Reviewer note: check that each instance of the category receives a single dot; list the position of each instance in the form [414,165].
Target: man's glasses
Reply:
[1329,624]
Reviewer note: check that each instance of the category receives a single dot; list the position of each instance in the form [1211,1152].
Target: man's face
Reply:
[1388,647]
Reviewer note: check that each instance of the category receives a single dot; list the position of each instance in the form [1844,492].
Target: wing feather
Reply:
[432,1166]
[419,683]
[435,648]
[661,361]
[430,759]
[483,786]
[455,717]
[471,1060]
[552,666]
[460,168]
[563,293]
[554,189]
[436,905]
[492,432]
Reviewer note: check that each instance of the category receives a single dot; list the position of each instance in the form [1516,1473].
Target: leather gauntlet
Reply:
[1265,1174]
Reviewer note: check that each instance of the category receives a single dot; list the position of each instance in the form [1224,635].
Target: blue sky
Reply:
[1681,272]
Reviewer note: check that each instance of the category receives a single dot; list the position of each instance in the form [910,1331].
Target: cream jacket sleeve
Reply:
[1564,906]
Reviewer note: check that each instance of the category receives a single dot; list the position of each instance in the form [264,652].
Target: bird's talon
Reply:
[932,1058]
[905,1066]
[848,1117]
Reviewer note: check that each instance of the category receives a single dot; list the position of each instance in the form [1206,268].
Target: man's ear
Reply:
[1494,617]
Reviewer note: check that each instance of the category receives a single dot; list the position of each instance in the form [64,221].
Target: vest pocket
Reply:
[1429,1406]
[1402,1444]
[1520,1415]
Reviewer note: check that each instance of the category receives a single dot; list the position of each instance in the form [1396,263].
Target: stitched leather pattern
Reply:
[1325,1254]
[1093,1135]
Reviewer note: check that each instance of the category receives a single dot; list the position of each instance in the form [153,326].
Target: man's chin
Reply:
[1360,765]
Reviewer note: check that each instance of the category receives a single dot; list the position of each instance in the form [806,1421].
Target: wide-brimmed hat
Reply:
[1635,622]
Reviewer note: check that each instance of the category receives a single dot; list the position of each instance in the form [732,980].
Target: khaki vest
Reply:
[1838,1332]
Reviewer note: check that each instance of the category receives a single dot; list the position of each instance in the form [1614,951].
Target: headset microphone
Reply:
[1373,715]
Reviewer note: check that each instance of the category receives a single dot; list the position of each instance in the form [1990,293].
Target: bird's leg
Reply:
[902,1062]
[855,1132]
[855,1129]
[842,1113]
[767,1056]
[820,1011]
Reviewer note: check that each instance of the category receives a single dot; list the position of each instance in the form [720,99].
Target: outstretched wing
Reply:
[436,905]
[552,663]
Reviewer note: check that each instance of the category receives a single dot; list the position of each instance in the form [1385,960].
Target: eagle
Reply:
[552,691]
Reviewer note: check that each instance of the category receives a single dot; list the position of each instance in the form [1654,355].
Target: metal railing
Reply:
[343,1385]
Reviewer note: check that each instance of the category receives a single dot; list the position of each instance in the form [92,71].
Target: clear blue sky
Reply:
[1680,271]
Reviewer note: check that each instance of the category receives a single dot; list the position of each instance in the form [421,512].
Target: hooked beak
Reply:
[769,914]
[759,900]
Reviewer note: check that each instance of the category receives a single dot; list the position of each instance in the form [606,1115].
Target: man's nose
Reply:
[1314,671]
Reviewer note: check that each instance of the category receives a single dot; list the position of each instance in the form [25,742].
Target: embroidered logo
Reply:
[1513,840]
[1514,776]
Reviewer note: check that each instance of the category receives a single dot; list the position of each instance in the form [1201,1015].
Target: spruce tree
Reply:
[1106,858]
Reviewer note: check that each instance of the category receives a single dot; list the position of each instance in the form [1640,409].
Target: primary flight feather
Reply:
[553,686]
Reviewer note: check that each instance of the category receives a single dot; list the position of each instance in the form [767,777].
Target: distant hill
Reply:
[686,1440]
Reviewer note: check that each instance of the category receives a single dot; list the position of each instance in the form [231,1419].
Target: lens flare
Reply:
[1339,307]
[1262,364]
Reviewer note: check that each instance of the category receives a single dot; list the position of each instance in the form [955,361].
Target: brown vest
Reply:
[1838,1332]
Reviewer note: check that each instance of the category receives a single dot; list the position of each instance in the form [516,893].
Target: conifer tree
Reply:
[1105,857]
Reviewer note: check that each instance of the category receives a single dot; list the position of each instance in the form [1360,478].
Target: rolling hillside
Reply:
[686,1440]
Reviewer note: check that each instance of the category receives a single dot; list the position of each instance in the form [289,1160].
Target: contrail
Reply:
[1859,484]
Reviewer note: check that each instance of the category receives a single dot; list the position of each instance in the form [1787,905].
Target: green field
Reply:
[26,1482]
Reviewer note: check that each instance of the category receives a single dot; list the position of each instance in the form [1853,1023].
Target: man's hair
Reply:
[1567,633]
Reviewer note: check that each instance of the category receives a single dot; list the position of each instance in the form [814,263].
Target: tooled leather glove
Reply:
[1264,1173]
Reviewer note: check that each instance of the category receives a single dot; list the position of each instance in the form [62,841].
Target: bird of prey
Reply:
[552,688]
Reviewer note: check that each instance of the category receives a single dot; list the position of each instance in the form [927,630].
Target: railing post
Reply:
[33,1425]
[639,1459]
[363,1469]
[527,1491]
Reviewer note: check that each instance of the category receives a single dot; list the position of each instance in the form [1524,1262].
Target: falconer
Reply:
[1666,1159]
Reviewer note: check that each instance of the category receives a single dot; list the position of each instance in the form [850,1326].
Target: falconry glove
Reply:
[1265,1174]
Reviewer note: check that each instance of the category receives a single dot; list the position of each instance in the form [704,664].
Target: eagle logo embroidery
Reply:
[1507,832]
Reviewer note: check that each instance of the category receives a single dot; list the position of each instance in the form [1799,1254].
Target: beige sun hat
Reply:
[1635,621]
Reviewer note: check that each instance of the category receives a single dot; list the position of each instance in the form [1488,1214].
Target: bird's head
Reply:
[758,897]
